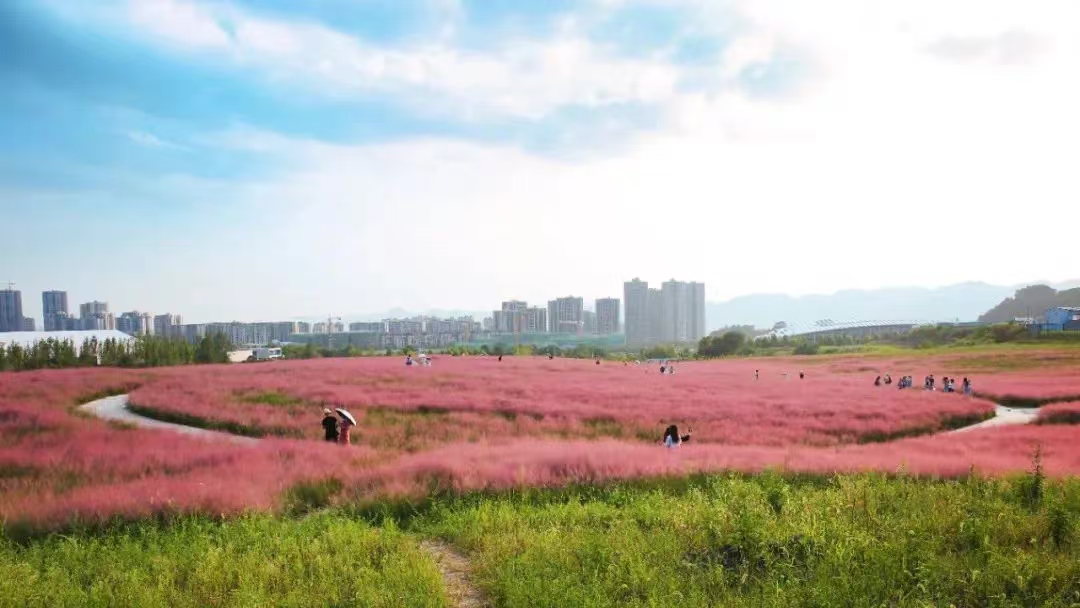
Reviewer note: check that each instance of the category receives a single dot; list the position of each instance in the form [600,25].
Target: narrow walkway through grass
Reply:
[1004,416]
[116,409]
[457,575]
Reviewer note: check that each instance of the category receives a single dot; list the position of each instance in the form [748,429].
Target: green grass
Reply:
[703,540]
[863,540]
[323,560]
[270,398]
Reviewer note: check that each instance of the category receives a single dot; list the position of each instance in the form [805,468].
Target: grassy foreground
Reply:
[259,560]
[860,540]
[716,540]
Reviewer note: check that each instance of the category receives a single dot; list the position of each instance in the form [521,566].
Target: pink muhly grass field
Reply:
[565,398]
[521,422]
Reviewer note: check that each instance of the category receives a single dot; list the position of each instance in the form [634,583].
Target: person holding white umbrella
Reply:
[347,422]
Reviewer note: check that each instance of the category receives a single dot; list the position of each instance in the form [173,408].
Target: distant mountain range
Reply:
[963,301]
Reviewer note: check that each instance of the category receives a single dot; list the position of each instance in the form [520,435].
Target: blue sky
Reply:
[266,159]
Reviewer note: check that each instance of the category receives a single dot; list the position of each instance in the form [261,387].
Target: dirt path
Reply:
[1004,416]
[457,575]
[116,409]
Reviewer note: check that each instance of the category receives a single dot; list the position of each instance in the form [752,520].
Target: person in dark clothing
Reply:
[801,375]
[598,362]
[330,425]
[877,381]
[663,370]
[673,439]
[888,379]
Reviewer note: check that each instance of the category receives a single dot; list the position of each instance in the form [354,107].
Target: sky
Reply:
[268,159]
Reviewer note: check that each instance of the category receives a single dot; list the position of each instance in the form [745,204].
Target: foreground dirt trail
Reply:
[457,575]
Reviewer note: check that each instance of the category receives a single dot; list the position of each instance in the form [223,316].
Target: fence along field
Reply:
[475,423]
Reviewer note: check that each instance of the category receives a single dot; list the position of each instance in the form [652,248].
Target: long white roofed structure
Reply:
[845,328]
[27,339]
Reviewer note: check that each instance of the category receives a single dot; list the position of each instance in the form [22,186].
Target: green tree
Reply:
[723,345]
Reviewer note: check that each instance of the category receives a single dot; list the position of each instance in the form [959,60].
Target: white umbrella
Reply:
[346,415]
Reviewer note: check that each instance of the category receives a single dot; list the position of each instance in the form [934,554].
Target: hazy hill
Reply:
[1031,301]
[963,301]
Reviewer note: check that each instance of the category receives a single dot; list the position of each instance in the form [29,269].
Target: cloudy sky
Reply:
[257,159]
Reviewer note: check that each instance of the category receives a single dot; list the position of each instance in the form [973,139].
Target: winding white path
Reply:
[1004,416]
[116,409]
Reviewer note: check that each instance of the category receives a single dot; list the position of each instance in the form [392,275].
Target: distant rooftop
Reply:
[827,325]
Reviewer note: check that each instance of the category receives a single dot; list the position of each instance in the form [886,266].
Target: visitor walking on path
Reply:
[330,425]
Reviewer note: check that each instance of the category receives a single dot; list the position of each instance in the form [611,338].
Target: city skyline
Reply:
[450,152]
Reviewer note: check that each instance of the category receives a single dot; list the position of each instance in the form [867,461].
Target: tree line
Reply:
[142,351]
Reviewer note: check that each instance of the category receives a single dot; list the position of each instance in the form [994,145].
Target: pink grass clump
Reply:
[1037,385]
[1060,413]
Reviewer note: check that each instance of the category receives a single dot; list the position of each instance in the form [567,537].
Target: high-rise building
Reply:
[168,325]
[607,316]
[513,317]
[674,313]
[54,308]
[697,311]
[28,324]
[135,323]
[588,322]
[11,312]
[636,296]
[376,327]
[655,332]
[96,315]
[566,315]
[536,321]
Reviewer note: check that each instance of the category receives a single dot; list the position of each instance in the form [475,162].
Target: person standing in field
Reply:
[346,428]
[801,375]
[330,426]
[672,439]
[756,376]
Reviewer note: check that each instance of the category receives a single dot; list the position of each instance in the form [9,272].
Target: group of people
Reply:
[420,360]
[948,385]
[338,428]
[668,368]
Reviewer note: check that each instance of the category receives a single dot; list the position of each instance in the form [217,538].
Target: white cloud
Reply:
[891,166]
[179,22]
[528,78]
[152,141]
